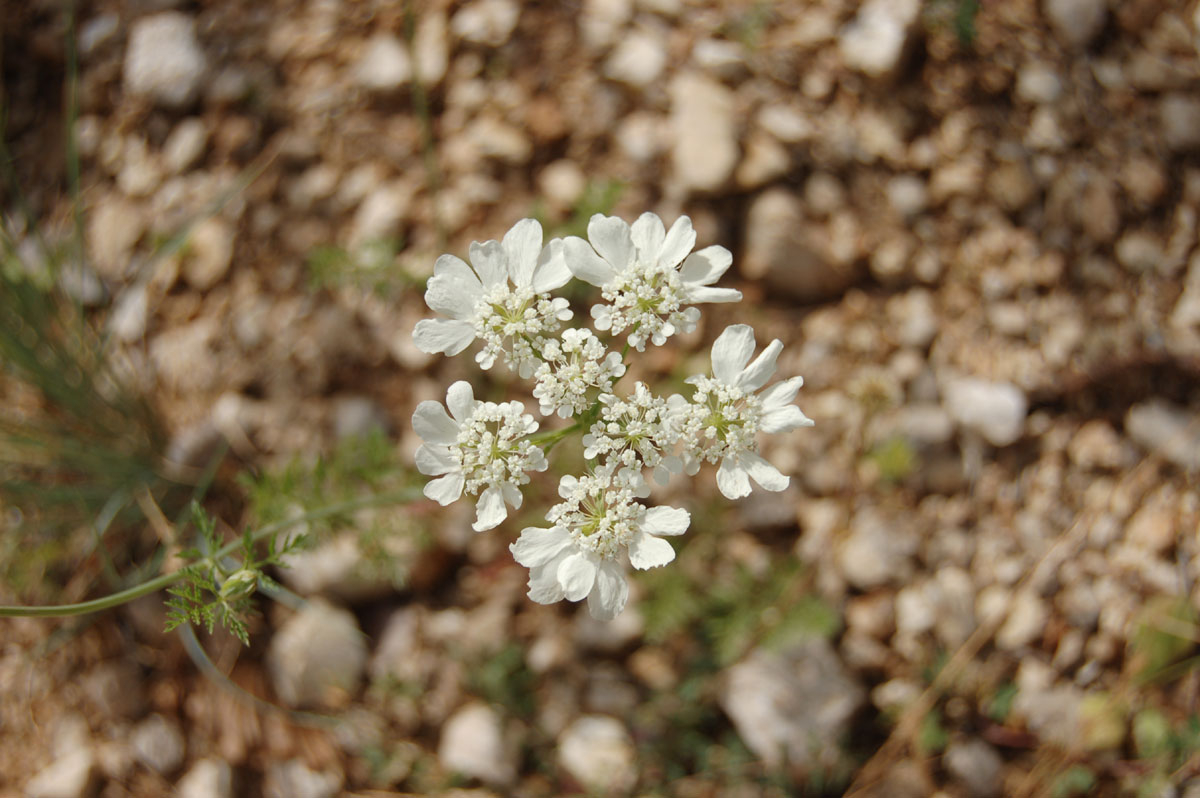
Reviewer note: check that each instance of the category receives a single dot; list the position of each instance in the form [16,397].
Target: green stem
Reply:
[166,580]
[550,437]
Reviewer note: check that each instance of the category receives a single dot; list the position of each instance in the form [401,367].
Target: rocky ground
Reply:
[974,226]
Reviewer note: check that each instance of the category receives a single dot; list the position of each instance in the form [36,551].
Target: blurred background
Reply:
[972,223]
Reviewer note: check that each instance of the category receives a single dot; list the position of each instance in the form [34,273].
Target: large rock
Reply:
[317,657]
[164,61]
[158,744]
[790,252]
[705,149]
[791,707]
[1179,115]
[1167,431]
[385,64]
[208,778]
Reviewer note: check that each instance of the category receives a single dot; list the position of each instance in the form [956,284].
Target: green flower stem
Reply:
[166,580]
[547,439]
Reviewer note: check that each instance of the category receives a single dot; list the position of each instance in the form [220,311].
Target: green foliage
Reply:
[1165,632]
[358,466]
[599,196]
[371,267]
[1000,704]
[1076,780]
[503,678]
[750,26]
[932,737]
[220,591]
[895,458]
[958,16]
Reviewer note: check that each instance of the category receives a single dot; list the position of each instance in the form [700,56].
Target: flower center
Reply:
[600,515]
[725,419]
[492,449]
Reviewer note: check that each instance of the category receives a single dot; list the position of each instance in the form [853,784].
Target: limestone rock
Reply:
[473,743]
[874,42]
[705,149]
[994,409]
[317,656]
[164,61]
[597,751]
[1077,23]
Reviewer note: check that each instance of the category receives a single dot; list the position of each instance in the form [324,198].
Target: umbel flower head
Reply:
[480,448]
[578,556]
[504,301]
[646,275]
[724,417]
[649,279]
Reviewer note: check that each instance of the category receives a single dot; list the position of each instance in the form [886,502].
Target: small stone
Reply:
[1038,83]
[158,744]
[385,64]
[721,57]
[183,356]
[1152,528]
[1140,251]
[113,229]
[916,609]
[208,254]
[978,766]
[1167,431]
[597,751]
[496,138]
[116,687]
[562,182]
[208,778]
[1077,23]
[1144,180]
[642,136]
[1012,185]
[141,170]
[824,193]
[1096,445]
[1180,118]
[97,32]
[875,41]
[431,47]
[873,554]
[638,60]
[294,779]
[488,22]
[72,775]
[1027,616]
[185,145]
[784,249]
[163,60]
[913,318]
[791,707]
[786,123]
[1099,213]
[996,410]
[908,195]
[317,656]
[473,743]
[357,417]
[764,161]
[379,215]
[705,150]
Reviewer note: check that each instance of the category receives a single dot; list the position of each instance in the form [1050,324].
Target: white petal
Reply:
[781,393]
[731,351]
[585,264]
[445,490]
[522,245]
[433,425]
[705,266]
[538,546]
[453,289]
[757,373]
[648,235]
[488,260]
[490,510]
[577,574]
[443,335]
[680,240]
[512,495]
[703,293]
[763,472]
[611,592]
[782,419]
[732,479]
[543,584]
[461,401]
[611,239]
[567,486]
[666,521]
[647,551]
[435,460]
[551,271]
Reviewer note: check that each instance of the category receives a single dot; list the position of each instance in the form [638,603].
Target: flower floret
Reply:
[574,370]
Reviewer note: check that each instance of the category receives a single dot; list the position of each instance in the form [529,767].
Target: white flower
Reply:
[639,273]
[578,555]
[635,432]
[571,369]
[503,301]
[481,450]
[725,416]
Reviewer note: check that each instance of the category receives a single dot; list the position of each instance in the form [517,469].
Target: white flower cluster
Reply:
[649,279]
